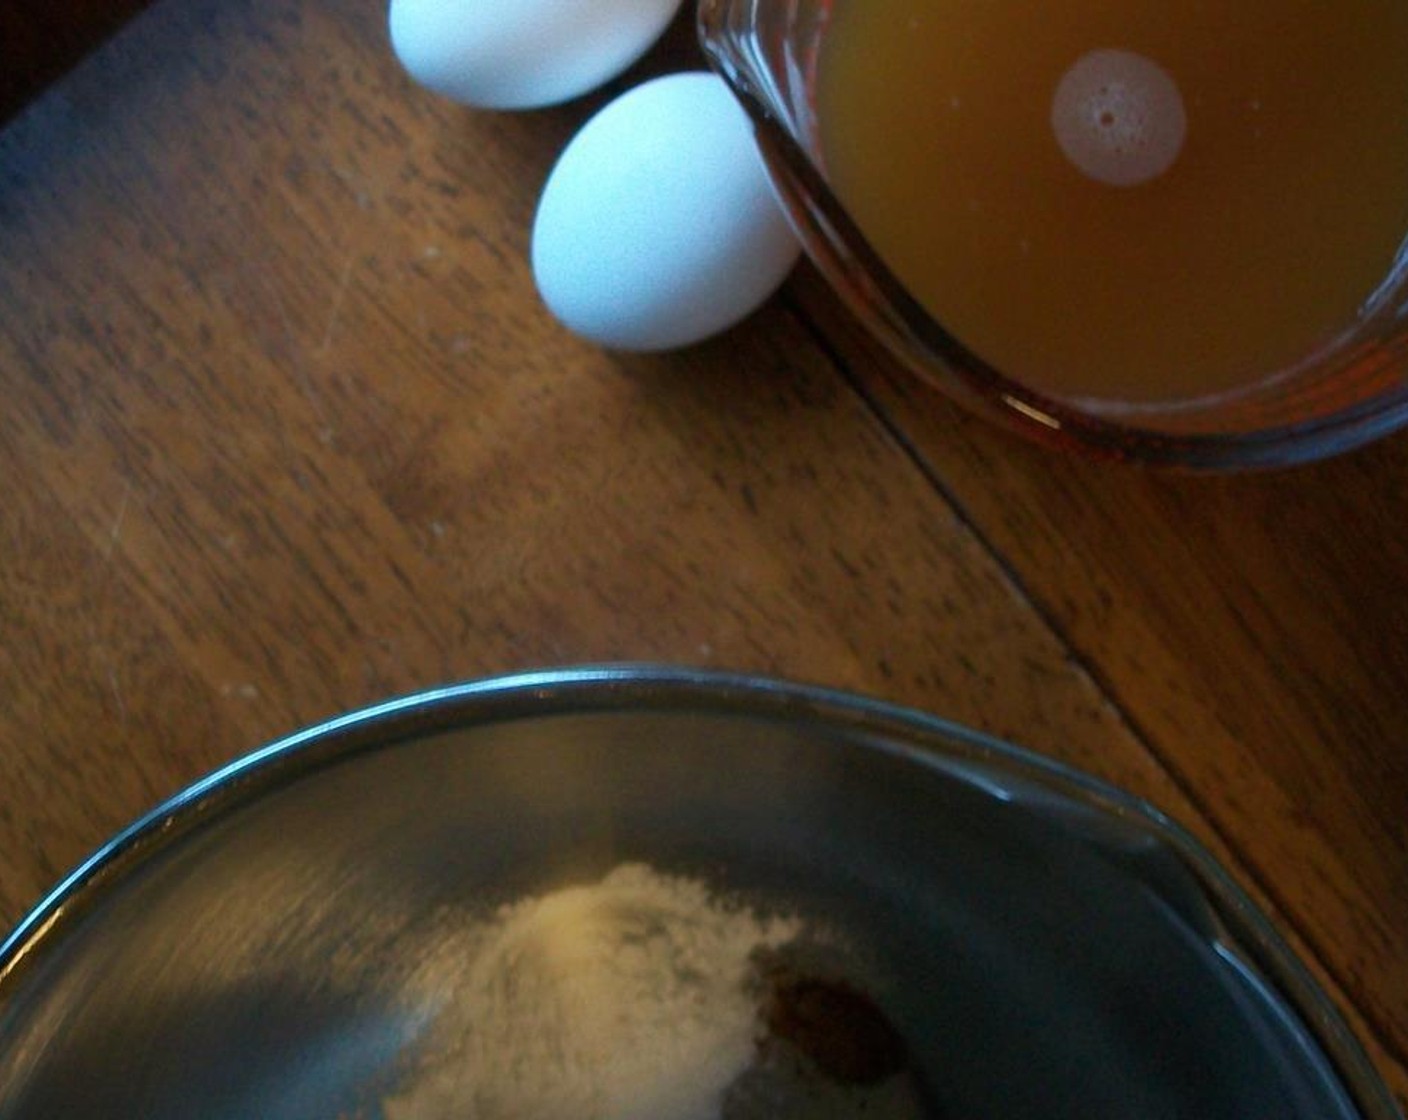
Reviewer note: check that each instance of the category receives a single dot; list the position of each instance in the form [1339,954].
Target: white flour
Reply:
[624,1000]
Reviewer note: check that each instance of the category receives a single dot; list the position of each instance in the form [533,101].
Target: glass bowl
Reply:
[1350,392]
[1045,944]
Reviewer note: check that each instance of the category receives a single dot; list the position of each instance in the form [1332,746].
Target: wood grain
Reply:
[286,431]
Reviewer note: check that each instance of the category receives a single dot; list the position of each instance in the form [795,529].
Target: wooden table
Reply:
[285,431]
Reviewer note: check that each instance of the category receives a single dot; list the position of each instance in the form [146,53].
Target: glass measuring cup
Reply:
[1352,390]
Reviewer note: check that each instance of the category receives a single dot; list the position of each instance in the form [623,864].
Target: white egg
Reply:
[659,227]
[522,54]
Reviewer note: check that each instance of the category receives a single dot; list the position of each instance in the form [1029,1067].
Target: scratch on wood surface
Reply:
[116,531]
[339,298]
[117,693]
[104,664]
[296,364]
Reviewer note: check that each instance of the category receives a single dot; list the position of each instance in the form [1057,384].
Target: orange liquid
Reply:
[1280,217]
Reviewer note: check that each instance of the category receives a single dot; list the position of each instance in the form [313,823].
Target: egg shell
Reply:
[522,54]
[658,226]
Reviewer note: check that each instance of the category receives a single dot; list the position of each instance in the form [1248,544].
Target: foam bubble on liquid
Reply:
[1119,117]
